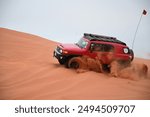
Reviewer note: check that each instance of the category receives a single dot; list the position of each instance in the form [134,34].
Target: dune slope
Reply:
[29,71]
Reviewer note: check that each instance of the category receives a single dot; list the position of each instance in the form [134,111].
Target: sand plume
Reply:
[134,71]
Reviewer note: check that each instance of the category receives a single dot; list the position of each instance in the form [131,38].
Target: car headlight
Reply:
[60,51]
[126,50]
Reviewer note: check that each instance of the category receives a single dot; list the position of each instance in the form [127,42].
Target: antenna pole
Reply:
[136,31]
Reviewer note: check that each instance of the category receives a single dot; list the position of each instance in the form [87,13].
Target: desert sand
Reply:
[28,70]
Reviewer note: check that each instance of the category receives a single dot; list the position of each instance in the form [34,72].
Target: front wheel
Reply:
[75,63]
[61,61]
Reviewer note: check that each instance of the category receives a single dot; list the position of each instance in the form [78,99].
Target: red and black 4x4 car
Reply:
[91,44]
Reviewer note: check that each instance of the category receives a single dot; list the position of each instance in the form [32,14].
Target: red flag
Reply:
[144,12]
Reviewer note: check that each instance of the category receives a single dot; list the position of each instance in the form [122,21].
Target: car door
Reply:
[103,52]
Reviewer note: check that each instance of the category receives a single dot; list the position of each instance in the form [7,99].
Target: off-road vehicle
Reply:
[110,49]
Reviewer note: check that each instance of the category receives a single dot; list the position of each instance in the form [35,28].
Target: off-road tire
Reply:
[132,54]
[106,68]
[75,63]
[62,61]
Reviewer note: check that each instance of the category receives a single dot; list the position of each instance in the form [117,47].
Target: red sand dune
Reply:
[29,71]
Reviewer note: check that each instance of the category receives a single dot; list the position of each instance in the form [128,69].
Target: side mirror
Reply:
[91,48]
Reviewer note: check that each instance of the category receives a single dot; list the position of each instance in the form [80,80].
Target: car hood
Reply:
[71,48]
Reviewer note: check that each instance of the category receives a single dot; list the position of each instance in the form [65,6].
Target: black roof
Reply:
[93,37]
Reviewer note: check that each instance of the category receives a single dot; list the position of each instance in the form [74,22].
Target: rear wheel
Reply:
[106,68]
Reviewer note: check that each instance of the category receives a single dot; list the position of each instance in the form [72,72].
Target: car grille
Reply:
[58,49]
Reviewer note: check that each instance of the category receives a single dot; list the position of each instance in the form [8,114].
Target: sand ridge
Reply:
[29,71]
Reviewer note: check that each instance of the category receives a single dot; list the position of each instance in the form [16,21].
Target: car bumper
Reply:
[58,55]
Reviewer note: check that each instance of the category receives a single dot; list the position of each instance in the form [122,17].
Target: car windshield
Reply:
[82,43]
